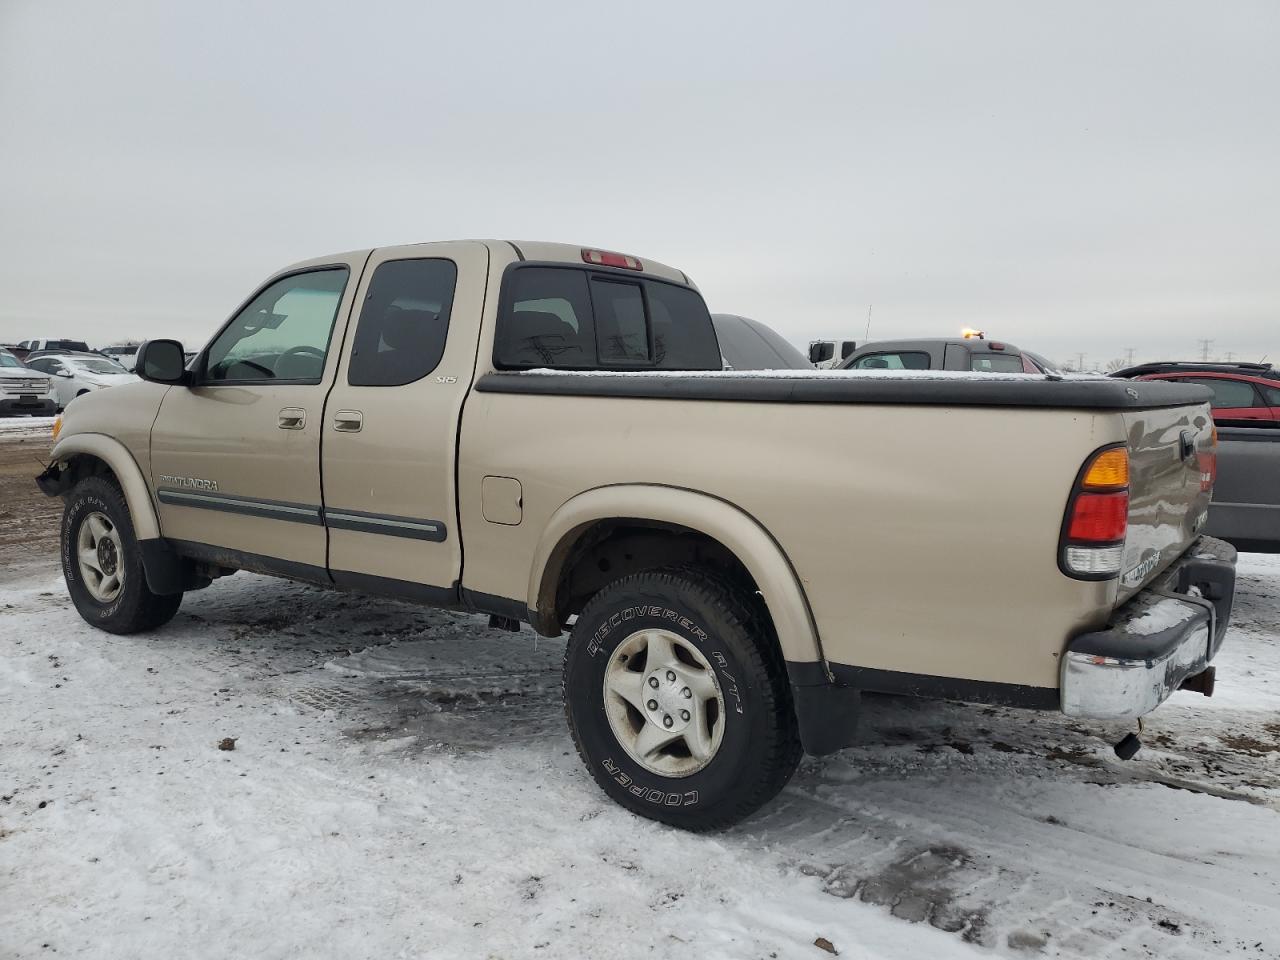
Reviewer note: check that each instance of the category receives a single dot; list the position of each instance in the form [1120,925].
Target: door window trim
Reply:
[199,372]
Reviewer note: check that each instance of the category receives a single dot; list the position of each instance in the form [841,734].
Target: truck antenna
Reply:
[867,335]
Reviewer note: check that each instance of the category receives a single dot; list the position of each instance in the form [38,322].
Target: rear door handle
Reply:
[292,418]
[348,421]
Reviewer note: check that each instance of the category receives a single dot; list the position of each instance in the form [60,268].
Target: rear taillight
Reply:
[1208,463]
[605,258]
[1093,530]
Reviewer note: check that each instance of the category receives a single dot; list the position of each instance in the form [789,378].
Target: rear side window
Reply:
[579,319]
[1273,395]
[904,360]
[995,363]
[404,323]
[1227,394]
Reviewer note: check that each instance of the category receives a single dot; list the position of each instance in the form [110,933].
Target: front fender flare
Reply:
[146,523]
[736,530]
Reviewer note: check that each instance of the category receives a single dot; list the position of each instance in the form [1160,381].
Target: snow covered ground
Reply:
[402,785]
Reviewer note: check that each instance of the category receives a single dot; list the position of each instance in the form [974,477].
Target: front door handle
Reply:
[348,421]
[292,418]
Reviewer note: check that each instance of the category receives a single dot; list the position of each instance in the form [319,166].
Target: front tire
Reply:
[677,699]
[102,563]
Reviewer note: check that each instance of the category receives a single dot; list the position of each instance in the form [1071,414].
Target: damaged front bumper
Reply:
[1164,636]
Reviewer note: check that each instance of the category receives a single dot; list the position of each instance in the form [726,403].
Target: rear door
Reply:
[235,458]
[391,423]
[1233,399]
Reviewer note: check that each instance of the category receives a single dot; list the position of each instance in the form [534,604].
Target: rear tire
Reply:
[102,563]
[646,647]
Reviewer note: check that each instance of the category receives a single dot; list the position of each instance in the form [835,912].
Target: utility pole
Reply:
[1204,350]
[1128,356]
[1080,362]
[1230,356]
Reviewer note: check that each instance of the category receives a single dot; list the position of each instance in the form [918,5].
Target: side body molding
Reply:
[736,530]
[116,455]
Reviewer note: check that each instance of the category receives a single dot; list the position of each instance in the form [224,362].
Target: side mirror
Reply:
[846,348]
[820,351]
[161,361]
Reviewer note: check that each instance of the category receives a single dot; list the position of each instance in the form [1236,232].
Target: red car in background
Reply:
[1241,391]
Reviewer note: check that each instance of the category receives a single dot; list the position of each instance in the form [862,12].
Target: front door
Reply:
[235,458]
[391,424]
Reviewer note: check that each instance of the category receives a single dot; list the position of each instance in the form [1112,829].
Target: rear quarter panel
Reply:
[925,538]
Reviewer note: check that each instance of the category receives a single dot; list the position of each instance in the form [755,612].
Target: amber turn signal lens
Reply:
[57,426]
[1109,470]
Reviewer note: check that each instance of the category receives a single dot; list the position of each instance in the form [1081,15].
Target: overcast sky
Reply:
[1070,177]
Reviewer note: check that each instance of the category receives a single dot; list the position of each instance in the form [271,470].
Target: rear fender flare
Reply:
[736,530]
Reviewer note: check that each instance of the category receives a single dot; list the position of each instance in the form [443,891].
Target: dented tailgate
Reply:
[1170,466]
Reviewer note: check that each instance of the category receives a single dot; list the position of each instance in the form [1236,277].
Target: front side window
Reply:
[1227,394]
[283,334]
[404,323]
[46,364]
[904,360]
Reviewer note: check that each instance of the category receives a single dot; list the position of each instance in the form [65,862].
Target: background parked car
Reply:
[23,390]
[1246,408]
[75,374]
[973,354]
[748,344]
[1241,391]
[125,354]
[829,353]
[31,346]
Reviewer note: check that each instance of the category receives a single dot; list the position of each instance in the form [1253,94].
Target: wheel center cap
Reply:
[668,700]
[107,556]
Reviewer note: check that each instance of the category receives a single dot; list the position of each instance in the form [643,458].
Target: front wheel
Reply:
[102,564]
[677,699]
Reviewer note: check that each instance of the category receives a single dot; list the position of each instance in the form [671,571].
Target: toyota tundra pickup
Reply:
[545,434]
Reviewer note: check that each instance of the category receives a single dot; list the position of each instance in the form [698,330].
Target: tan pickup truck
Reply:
[545,433]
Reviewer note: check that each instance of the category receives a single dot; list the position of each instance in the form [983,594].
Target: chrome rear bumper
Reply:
[1166,634]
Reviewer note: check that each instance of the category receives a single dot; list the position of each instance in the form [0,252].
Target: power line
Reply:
[1204,350]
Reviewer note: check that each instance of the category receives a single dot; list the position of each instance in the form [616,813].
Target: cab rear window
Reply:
[580,319]
[996,363]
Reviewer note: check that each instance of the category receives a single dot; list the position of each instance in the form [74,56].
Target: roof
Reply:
[1192,366]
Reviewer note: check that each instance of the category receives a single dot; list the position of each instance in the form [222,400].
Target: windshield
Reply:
[97,366]
[7,359]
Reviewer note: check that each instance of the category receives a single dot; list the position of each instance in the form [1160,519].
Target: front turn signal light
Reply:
[57,426]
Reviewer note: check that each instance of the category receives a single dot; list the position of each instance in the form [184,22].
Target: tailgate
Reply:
[1170,456]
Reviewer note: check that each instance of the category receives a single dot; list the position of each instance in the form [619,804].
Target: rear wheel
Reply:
[102,563]
[677,699]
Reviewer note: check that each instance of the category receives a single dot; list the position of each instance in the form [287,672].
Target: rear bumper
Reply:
[1166,634]
[41,405]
